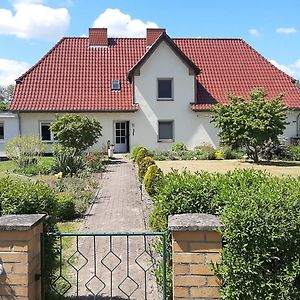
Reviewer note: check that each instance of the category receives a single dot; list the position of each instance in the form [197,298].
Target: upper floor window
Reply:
[46,134]
[1,131]
[165,89]
[116,85]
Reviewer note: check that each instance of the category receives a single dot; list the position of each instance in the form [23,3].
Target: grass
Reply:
[277,168]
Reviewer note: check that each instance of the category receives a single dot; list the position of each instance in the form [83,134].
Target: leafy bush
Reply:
[294,152]
[278,150]
[65,207]
[152,179]
[134,152]
[143,166]
[207,152]
[228,153]
[95,162]
[44,166]
[67,161]
[260,257]
[24,150]
[76,131]
[141,154]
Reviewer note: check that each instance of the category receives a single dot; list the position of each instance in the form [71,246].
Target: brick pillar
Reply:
[196,244]
[20,257]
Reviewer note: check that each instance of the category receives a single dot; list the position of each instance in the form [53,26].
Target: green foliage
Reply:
[76,131]
[24,150]
[95,162]
[294,152]
[141,154]
[65,207]
[228,153]
[44,166]
[68,161]
[143,166]
[134,152]
[207,152]
[251,123]
[6,95]
[260,258]
[152,179]
[277,150]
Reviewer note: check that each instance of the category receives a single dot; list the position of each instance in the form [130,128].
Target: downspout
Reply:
[19,123]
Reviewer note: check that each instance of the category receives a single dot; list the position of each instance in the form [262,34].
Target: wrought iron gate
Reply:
[106,266]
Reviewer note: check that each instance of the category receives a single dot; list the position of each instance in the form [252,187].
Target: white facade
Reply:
[10,123]
[189,127]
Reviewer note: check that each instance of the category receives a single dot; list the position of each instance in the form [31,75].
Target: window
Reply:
[165,131]
[116,85]
[45,131]
[1,131]
[164,89]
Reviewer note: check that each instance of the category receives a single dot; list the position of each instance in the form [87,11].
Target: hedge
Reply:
[261,253]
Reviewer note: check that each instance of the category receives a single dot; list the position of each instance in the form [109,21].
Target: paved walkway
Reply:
[118,267]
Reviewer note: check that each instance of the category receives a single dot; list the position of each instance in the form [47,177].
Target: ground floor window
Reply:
[165,131]
[45,131]
[1,131]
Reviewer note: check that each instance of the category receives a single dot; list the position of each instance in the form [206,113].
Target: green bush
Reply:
[65,207]
[228,153]
[141,154]
[67,161]
[143,166]
[152,179]
[294,152]
[24,150]
[44,166]
[95,162]
[134,151]
[260,257]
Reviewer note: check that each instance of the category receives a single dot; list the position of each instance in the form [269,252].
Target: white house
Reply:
[151,91]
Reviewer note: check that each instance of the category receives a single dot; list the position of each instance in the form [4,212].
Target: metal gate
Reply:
[106,266]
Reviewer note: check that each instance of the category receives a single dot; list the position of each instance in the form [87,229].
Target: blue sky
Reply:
[29,28]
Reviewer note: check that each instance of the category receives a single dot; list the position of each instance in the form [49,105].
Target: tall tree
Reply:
[6,95]
[251,123]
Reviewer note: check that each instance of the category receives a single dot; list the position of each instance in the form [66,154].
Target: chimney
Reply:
[153,34]
[98,37]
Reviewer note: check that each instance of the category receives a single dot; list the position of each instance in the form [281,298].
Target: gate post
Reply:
[20,256]
[196,244]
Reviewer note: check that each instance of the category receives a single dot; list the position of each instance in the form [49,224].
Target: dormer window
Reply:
[116,85]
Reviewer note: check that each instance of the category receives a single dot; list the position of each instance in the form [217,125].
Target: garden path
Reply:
[119,207]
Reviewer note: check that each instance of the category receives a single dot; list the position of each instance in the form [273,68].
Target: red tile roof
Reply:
[75,77]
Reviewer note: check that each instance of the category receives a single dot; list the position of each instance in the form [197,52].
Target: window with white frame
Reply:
[165,131]
[165,89]
[45,132]
[1,131]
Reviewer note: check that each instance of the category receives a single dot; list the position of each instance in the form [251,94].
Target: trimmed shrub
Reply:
[141,154]
[143,166]
[65,207]
[134,151]
[152,179]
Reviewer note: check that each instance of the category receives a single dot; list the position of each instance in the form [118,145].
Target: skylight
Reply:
[116,85]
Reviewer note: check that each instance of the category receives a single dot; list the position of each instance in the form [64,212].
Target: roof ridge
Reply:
[41,60]
[205,38]
[266,60]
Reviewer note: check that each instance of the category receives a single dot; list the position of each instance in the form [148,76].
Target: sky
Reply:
[30,28]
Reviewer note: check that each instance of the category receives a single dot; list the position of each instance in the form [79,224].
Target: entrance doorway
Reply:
[121,136]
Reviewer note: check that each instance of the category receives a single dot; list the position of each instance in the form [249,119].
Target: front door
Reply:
[121,130]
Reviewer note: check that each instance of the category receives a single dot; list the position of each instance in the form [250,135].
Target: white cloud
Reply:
[10,70]
[286,30]
[292,69]
[122,25]
[34,20]
[254,32]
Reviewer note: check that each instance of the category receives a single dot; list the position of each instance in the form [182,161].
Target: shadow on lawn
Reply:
[277,163]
